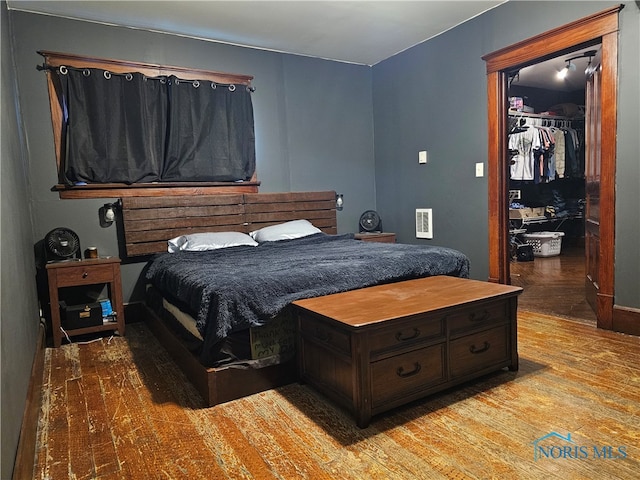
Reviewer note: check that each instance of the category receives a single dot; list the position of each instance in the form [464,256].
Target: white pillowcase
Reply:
[197,242]
[285,231]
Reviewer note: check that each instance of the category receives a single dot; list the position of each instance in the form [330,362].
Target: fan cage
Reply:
[62,243]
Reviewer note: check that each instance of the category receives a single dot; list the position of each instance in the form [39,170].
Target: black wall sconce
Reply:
[339,201]
[107,214]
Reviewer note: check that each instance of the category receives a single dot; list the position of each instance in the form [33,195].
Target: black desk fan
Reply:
[61,244]
[370,222]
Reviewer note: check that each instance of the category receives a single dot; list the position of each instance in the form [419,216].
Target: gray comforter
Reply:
[235,288]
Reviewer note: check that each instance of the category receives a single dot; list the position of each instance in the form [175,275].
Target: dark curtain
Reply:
[116,127]
[211,134]
[133,129]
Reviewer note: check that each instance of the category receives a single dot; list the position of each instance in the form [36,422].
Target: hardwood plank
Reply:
[101,443]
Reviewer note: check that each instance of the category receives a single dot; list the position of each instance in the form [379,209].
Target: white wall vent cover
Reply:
[424,224]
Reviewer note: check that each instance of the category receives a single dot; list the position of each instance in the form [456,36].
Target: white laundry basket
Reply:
[545,244]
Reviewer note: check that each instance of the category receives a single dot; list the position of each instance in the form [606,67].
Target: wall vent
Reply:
[424,223]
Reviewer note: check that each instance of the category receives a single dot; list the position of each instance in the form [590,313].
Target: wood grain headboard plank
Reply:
[295,197]
[327,205]
[259,220]
[147,248]
[177,201]
[184,223]
[150,221]
[181,212]
[165,234]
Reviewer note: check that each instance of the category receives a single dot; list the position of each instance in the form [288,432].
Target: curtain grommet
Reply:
[107,74]
[196,83]
[86,72]
[232,88]
[63,70]
[213,86]
[129,76]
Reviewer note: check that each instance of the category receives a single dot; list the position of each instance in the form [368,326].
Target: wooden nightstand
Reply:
[382,237]
[96,271]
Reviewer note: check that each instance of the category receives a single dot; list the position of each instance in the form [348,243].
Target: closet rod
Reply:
[539,115]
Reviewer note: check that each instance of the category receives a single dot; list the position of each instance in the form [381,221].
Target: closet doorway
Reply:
[547,187]
[600,28]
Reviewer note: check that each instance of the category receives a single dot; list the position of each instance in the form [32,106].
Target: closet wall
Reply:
[554,179]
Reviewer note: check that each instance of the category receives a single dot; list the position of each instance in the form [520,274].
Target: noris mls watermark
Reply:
[554,446]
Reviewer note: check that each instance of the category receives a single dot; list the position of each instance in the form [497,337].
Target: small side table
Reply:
[85,272]
[381,237]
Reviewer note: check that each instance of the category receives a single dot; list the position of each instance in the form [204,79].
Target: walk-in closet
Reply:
[546,148]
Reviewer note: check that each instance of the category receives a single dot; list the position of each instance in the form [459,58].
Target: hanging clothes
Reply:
[543,151]
[558,135]
[525,143]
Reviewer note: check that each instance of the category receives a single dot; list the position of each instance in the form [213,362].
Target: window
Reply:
[124,129]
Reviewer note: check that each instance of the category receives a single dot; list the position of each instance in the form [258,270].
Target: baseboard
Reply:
[626,320]
[24,464]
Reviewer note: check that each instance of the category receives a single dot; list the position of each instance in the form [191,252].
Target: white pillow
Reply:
[197,242]
[284,231]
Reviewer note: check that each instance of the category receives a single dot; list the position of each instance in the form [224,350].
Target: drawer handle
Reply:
[400,338]
[480,318]
[85,274]
[484,348]
[401,373]
[322,335]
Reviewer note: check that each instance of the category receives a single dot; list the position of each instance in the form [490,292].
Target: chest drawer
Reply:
[409,372]
[480,350]
[324,334]
[406,334]
[84,275]
[478,316]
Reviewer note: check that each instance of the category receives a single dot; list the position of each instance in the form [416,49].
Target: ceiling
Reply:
[360,32]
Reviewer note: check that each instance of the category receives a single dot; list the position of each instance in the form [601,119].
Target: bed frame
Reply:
[148,222]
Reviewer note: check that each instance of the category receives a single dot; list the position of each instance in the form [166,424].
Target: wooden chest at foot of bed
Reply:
[376,348]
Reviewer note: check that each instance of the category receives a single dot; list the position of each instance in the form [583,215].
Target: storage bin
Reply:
[545,244]
[80,316]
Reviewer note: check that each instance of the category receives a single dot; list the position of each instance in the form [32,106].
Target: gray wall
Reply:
[313,120]
[433,97]
[19,317]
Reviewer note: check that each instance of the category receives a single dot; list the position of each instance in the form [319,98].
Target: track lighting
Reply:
[571,67]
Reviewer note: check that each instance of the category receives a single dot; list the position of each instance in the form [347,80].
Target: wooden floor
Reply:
[554,285]
[119,409]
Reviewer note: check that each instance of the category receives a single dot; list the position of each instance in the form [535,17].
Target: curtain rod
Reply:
[63,69]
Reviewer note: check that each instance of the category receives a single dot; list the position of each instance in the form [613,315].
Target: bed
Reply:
[202,303]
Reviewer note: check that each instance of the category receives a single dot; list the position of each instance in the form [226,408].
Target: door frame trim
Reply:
[601,27]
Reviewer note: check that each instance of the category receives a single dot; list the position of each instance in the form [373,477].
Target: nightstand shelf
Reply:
[84,273]
[381,237]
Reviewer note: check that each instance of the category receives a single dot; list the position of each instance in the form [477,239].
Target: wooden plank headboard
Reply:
[148,222]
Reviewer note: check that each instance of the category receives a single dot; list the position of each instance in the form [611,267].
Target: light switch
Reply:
[422,156]
[479,169]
